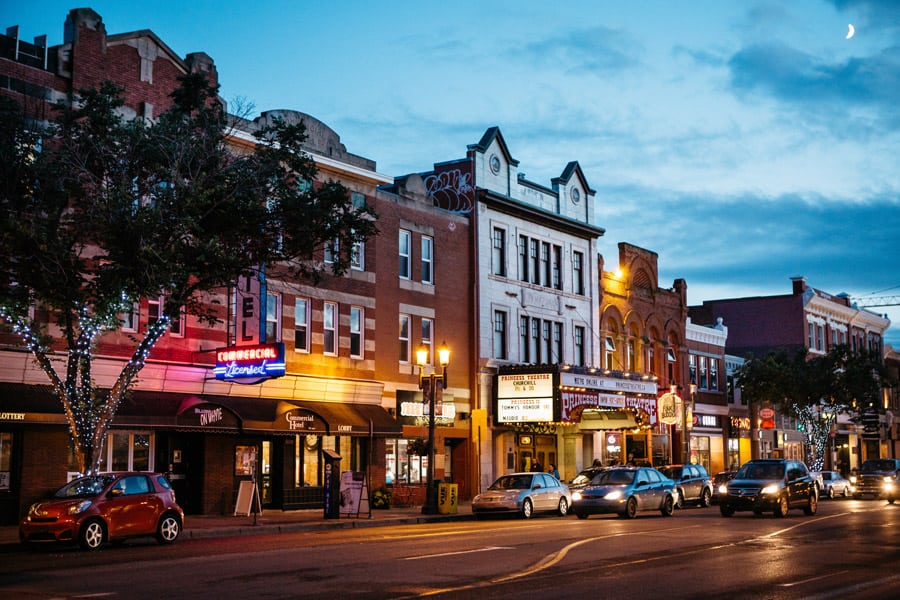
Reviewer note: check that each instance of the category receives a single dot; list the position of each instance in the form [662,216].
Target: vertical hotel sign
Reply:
[525,398]
[262,361]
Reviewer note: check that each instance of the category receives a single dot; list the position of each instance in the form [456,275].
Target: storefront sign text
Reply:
[256,362]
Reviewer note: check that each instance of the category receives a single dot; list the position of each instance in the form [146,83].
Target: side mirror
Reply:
[115,492]
[537,486]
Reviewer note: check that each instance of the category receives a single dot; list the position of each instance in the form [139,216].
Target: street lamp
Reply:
[429,386]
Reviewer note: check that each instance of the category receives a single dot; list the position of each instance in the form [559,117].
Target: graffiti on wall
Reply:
[452,190]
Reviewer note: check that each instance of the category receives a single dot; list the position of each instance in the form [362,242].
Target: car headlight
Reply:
[888,484]
[77,509]
[576,495]
[723,489]
[887,480]
[853,479]
[770,489]
[614,495]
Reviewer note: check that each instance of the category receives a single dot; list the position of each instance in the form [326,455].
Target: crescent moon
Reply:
[850,30]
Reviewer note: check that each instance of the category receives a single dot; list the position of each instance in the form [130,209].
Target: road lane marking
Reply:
[802,581]
[486,549]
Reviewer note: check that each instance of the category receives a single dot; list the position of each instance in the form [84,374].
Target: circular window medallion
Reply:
[575,195]
[495,164]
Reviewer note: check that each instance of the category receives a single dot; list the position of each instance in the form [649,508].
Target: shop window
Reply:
[128,451]
[5,459]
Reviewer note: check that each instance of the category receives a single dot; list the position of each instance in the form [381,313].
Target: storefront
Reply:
[207,444]
[571,417]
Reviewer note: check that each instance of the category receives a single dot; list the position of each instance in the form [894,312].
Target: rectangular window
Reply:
[713,373]
[357,325]
[523,258]
[331,251]
[547,352]
[536,339]
[557,343]
[301,325]
[692,368]
[535,262]
[524,350]
[500,334]
[154,310]
[811,336]
[404,338]
[556,268]
[128,452]
[632,365]
[609,352]
[498,254]
[405,246]
[427,259]
[820,338]
[579,347]
[578,272]
[176,326]
[329,328]
[358,256]
[273,318]
[428,338]
[545,263]
[704,381]
[131,319]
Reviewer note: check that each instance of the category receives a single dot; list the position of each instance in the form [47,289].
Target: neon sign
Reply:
[250,362]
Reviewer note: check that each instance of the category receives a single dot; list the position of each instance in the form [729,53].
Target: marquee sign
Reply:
[525,398]
[262,361]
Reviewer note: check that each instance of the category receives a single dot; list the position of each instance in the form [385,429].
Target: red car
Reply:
[96,509]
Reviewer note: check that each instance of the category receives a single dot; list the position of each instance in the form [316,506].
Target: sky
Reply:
[745,142]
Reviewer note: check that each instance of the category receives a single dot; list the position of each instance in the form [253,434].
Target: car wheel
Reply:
[831,493]
[91,535]
[781,509]
[668,506]
[527,508]
[680,502]
[890,500]
[705,498]
[168,529]
[846,492]
[581,515]
[630,508]
[563,508]
[812,505]
[726,511]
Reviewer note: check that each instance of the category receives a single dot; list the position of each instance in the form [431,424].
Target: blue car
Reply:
[625,491]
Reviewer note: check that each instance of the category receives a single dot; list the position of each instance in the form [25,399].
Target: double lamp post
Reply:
[432,386]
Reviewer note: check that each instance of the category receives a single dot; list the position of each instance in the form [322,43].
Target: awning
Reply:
[21,403]
[330,418]
[205,412]
[608,419]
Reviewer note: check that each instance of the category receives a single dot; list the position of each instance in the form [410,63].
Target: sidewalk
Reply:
[278,521]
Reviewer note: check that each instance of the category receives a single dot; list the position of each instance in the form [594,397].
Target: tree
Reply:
[814,390]
[99,212]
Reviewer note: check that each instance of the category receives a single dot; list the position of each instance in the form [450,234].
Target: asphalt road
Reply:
[850,549]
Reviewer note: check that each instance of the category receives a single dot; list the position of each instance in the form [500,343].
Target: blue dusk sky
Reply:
[745,142]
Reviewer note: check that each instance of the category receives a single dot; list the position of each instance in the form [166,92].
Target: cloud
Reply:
[598,50]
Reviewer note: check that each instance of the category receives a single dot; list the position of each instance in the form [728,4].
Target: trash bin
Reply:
[447,498]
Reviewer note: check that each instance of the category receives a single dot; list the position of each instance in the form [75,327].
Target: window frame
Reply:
[305,322]
[330,320]
[357,332]
[427,259]
[404,252]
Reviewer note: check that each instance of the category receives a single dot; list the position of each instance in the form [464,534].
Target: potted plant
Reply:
[381,498]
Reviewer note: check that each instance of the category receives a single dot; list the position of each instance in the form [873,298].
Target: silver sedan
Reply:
[524,494]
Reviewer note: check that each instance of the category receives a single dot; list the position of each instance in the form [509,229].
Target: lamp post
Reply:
[429,386]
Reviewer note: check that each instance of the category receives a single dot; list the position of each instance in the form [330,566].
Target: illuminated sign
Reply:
[525,398]
[250,362]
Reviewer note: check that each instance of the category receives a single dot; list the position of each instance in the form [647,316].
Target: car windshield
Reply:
[512,482]
[614,477]
[761,471]
[584,477]
[84,487]
[874,466]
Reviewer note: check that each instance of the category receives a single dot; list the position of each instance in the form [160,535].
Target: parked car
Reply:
[770,484]
[878,477]
[96,509]
[817,479]
[524,494]
[834,484]
[719,484]
[625,491]
[692,483]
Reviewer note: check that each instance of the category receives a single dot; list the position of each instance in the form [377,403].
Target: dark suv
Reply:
[692,483]
[770,484]
[878,477]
